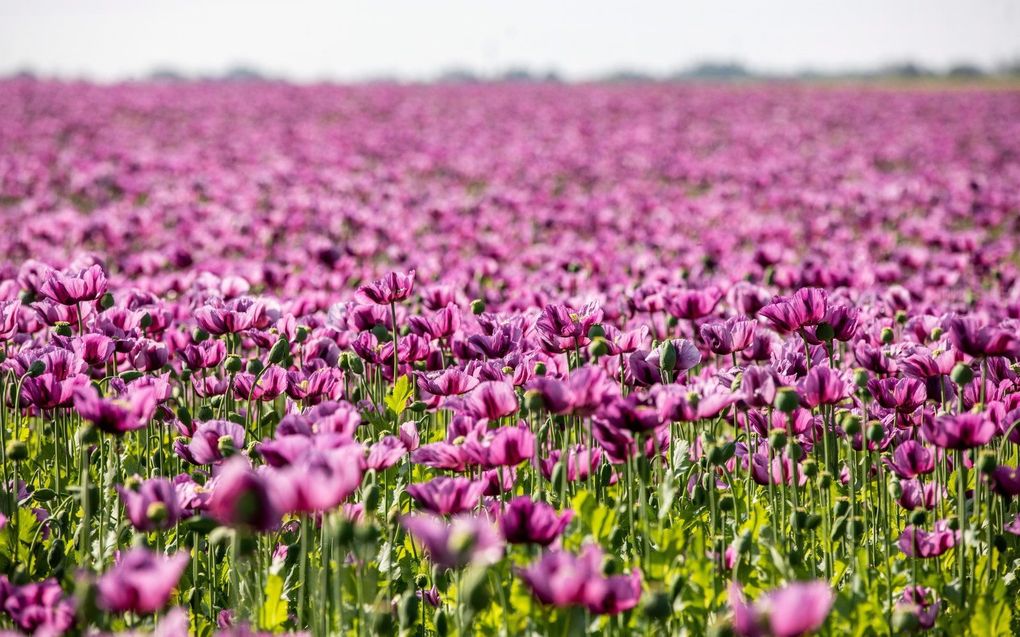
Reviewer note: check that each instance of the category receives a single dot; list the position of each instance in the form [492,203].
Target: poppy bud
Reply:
[825,332]
[146,321]
[605,474]
[799,518]
[344,532]
[442,624]
[658,606]
[540,369]
[383,624]
[599,347]
[962,374]
[596,331]
[559,475]
[876,432]
[887,335]
[106,301]
[842,506]
[55,555]
[809,468]
[476,589]
[17,450]
[279,351]
[812,522]
[795,450]
[999,542]
[477,306]
[936,334]
[918,517]
[861,377]
[851,424]
[36,369]
[372,497]
[824,479]
[726,502]
[44,495]
[205,412]
[418,407]
[62,328]
[301,334]
[667,356]
[382,333]
[987,463]
[255,366]
[787,399]
[357,366]
[533,401]
[905,620]
[225,445]
[366,534]
[777,439]
[232,363]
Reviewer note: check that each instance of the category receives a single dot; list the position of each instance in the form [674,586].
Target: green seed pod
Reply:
[726,502]
[672,321]
[987,462]
[842,506]
[799,517]
[62,328]
[795,450]
[777,439]
[851,424]
[382,333]
[825,479]
[357,366]
[787,399]
[232,363]
[146,321]
[596,331]
[918,517]
[887,336]
[936,334]
[876,432]
[559,475]
[861,377]
[540,369]
[36,369]
[199,335]
[157,513]
[55,554]
[962,374]
[344,532]
[301,334]
[715,455]
[533,401]
[366,534]
[953,523]
[825,332]
[667,356]
[106,301]
[17,451]
[901,317]
[255,366]
[895,489]
[809,468]
[657,606]
[226,447]
[205,412]
[477,307]
[598,347]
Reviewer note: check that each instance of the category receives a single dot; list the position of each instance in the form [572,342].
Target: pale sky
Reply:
[417,39]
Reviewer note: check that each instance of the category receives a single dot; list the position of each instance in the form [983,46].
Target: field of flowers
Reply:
[508,360]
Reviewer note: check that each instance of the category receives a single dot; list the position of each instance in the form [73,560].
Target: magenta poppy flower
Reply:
[580,461]
[140,581]
[561,321]
[915,542]
[9,319]
[634,413]
[525,521]
[794,610]
[492,400]
[320,479]
[445,496]
[616,594]
[151,505]
[824,386]
[391,288]
[806,307]
[243,498]
[729,336]
[974,339]
[268,387]
[385,453]
[902,394]
[448,382]
[922,603]
[212,442]
[692,304]
[564,579]
[959,431]
[911,459]
[916,495]
[205,355]
[73,288]
[464,540]
[1006,480]
[94,349]
[440,455]
[230,318]
[38,608]
[130,411]
[501,447]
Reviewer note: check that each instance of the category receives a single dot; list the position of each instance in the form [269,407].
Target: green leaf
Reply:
[274,610]
[397,397]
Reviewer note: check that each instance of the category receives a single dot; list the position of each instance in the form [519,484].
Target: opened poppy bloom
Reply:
[140,581]
[464,540]
[130,411]
[525,521]
[959,431]
[73,288]
[445,496]
[915,542]
[241,497]
[392,288]
[794,610]
[151,504]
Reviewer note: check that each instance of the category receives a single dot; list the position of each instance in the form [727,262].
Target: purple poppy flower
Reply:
[464,540]
[916,495]
[794,610]
[492,400]
[917,601]
[635,413]
[446,496]
[75,287]
[564,579]
[974,339]
[959,431]
[902,394]
[449,382]
[1006,480]
[212,442]
[581,461]
[140,581]
[130,411]
[9,319]
[385,453]
[915,542]
[243,498]
[38,608]
[692,304]
[151,505]
[391,288]
[528,522]
[205,355]
[911,459]
[727,337]
[824,386]
[320,479]
[501,447]
[94,349]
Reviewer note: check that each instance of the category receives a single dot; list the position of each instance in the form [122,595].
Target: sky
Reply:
[348,40]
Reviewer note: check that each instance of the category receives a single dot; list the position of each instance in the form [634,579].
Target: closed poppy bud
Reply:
[895,489]
[918,517]
[442,624]
[540,369]
[605,474]
[421,581]
[476,589]
[146,321]
[17,450]
[55,555]
[787,399]
[887,335]
[418,407]
[861,377]
[372,497]
[477,306]
[232,363]
[106,301]
[533,400]
[255,366]
[87,434]
[301,335]
[279,351]
[962,374]
[842,506]
[671,321]
[876,432]
[62,328]
[852,424]
[199,335]
[357,366]
[825,332]
[777,439]
[987,463]
[157,513]
[36,369]
[559,475]
[408,611]
[667,356]
[812,521]
[658,606]
[599,347]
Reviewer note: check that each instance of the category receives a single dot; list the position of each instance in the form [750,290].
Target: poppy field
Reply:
[508,359]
